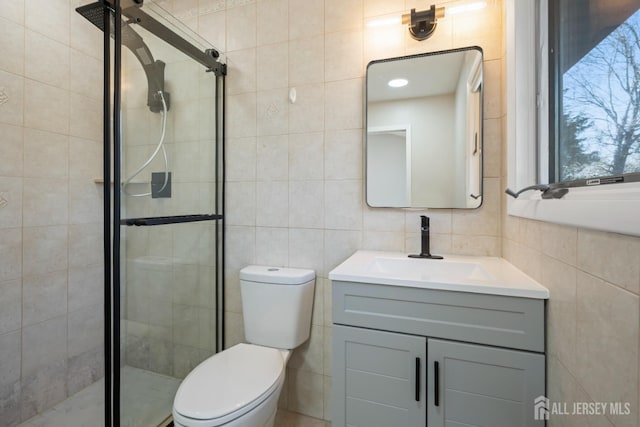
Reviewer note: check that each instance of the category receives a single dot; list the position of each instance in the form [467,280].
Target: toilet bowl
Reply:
[237,387]
[240,386]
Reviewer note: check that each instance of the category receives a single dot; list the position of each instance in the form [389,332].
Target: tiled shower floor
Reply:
[147,401]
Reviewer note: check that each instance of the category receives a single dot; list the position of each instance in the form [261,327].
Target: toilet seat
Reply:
[229,384]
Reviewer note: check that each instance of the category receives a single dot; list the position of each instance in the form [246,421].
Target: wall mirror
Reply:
[424,130]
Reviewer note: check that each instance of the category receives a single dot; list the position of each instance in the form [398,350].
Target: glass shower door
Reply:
[170,279]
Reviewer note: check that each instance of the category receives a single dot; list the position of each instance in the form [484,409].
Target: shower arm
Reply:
[131,9]
[209,57]
[154,70]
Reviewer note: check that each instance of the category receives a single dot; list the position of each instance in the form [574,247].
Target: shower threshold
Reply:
[149,400]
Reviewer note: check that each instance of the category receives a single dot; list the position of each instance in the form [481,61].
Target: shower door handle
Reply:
[176,219]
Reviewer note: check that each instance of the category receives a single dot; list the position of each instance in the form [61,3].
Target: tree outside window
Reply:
[599,121]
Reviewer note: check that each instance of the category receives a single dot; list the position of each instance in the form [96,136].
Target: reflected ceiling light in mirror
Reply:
[398,82]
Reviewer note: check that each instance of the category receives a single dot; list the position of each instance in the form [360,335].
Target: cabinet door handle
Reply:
[475,144]
[417,379]
[436,383]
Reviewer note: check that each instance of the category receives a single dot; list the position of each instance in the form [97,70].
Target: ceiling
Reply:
[427,75]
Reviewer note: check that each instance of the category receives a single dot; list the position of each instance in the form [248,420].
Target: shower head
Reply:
[94,13]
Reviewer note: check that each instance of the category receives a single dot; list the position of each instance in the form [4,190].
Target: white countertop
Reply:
[482,275]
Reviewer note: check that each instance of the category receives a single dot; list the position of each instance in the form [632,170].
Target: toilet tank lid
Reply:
[276,275]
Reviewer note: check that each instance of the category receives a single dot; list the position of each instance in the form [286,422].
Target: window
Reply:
[562,138]
[594,92]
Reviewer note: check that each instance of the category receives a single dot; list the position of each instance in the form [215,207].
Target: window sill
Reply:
[614,208]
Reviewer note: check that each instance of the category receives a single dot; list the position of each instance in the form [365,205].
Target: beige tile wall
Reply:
[593,314]
[294,171]
[50,209]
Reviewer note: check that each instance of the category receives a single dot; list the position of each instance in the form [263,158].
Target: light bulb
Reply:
[463,8]
[398,82]
[384,22]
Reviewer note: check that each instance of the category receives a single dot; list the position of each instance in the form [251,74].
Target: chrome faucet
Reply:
[425,252]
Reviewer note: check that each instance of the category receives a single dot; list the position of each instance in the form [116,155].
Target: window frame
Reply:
[614,208]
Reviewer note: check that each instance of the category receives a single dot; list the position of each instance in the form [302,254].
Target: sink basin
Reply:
[427,269]
[487,275]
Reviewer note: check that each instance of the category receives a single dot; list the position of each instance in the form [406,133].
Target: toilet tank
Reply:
[276,305]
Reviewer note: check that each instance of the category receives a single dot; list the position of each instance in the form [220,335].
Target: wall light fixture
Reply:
[423,24]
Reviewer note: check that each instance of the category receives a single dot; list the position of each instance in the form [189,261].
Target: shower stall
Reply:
[163,206]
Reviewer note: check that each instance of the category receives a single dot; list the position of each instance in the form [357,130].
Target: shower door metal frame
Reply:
[107,232]
[112,136]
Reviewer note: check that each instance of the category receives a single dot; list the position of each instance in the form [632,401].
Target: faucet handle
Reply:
[424,222]
[424,250]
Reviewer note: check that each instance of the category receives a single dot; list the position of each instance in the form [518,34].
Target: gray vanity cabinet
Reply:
[407,357]
[382,378]
[479,385]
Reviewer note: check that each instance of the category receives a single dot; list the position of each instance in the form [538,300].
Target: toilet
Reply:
[240,386]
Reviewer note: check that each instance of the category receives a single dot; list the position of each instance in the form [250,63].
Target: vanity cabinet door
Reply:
[475,385]
[378,378]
